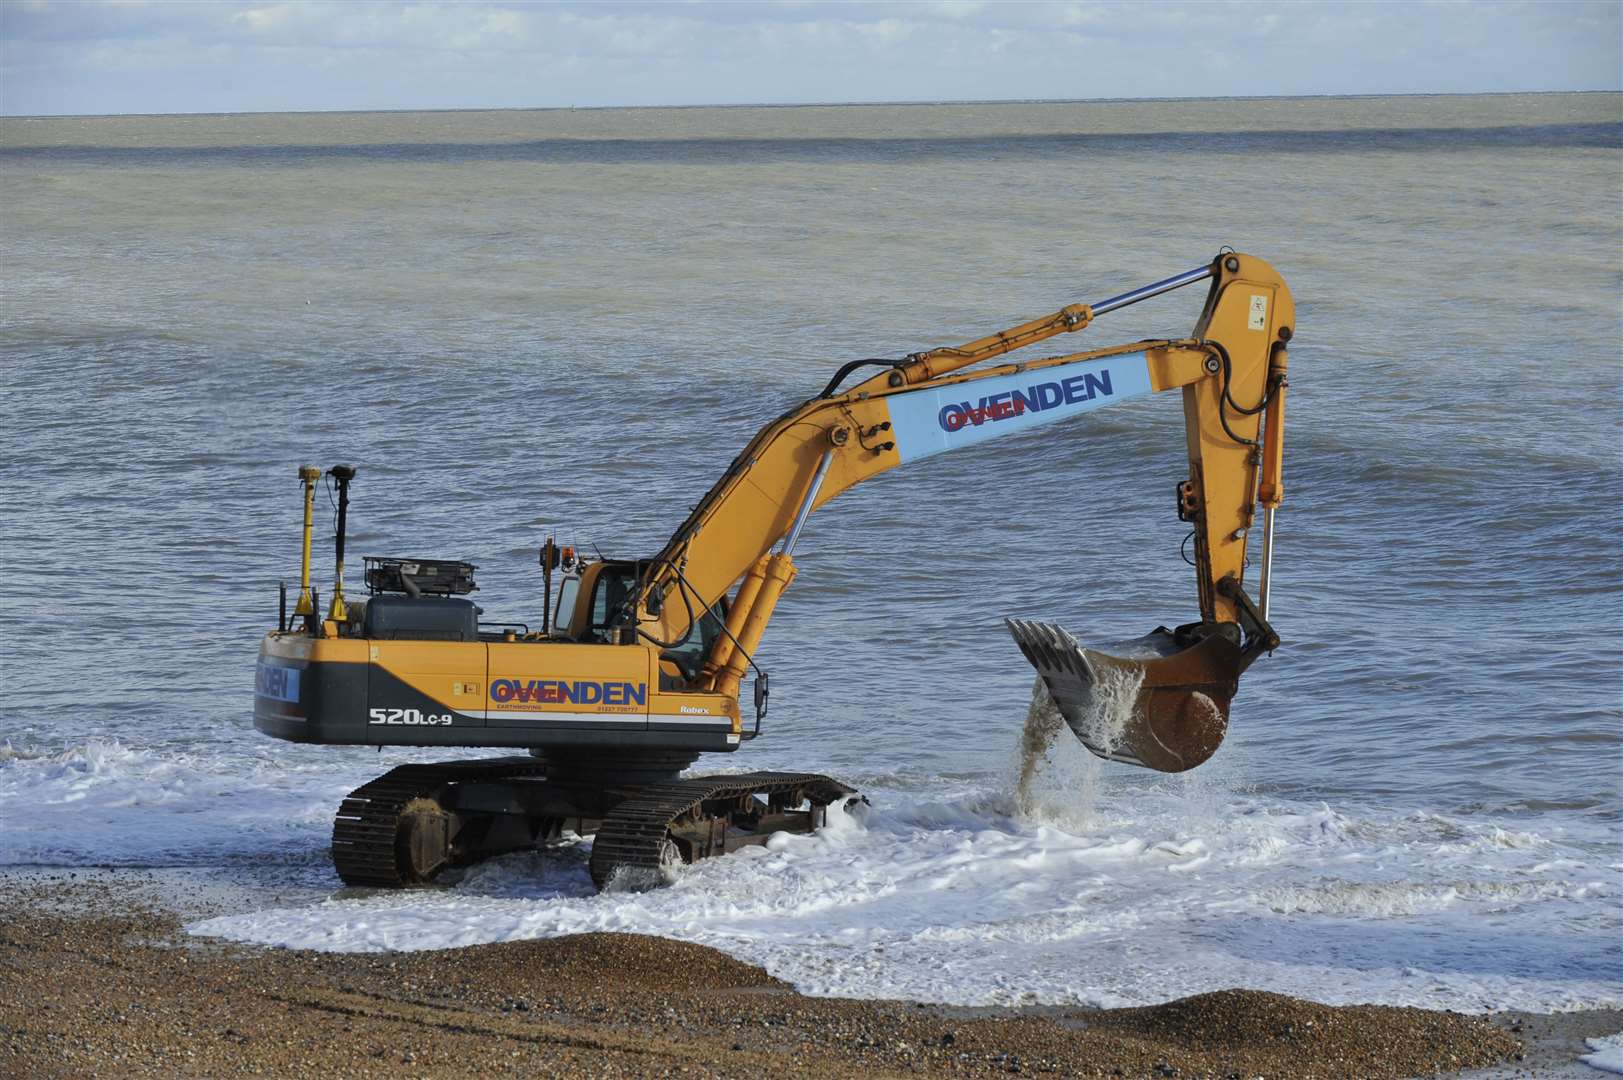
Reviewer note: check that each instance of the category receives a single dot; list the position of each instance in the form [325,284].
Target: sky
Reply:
[128,56]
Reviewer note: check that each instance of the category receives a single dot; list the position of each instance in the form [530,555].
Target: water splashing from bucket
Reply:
[1043,725]
[1056,784]
[1163,706]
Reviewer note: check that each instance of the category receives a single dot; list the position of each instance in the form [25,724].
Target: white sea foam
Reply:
[972,901]
[1606,1053]
[106,803]
[1084,888]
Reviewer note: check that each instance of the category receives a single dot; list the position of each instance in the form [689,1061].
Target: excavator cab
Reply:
[610,588]
[592,601]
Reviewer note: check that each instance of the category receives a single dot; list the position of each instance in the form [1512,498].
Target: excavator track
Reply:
[366,836]
[703,817]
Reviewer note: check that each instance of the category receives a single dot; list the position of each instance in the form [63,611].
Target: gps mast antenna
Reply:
[306,605]
[342,475]
[549,563]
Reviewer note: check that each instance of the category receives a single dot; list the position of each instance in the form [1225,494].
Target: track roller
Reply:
[646,838]
[398,830]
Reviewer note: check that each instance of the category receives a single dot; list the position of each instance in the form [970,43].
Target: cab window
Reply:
[614,584]
[689,654]
[564,614]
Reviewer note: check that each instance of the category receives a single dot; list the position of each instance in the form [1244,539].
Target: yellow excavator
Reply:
[637,665]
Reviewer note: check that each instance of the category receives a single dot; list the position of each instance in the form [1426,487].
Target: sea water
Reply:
[523,323]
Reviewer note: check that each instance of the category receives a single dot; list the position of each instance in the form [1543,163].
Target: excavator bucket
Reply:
[1163,706]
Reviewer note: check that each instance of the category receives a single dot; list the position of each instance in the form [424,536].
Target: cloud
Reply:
[129,56]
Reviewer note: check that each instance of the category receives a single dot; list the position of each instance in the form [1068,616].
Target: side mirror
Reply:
[763,691]
[551,556]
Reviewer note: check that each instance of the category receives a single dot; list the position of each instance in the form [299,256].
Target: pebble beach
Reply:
[94,981]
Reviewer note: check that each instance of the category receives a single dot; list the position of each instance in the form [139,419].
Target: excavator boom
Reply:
[1231,371]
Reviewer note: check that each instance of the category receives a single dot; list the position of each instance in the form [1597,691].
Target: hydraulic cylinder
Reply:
[721,653]
[780,571]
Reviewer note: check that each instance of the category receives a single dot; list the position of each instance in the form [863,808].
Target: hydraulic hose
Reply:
[850,366]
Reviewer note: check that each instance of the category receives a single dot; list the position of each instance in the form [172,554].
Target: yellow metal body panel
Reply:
[699,710]
[445,671]
[538,681]
[296,645]
[512,690]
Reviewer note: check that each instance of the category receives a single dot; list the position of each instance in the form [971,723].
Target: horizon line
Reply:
[816,104]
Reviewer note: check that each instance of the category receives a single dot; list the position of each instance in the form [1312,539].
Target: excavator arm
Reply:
[1231,370]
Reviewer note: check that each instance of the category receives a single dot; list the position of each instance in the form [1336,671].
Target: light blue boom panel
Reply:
[929,420]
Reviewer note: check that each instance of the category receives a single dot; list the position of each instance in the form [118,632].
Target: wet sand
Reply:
[91,987]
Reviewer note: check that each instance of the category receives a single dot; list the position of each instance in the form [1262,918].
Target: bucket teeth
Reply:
[1164,709]
[1050,646]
